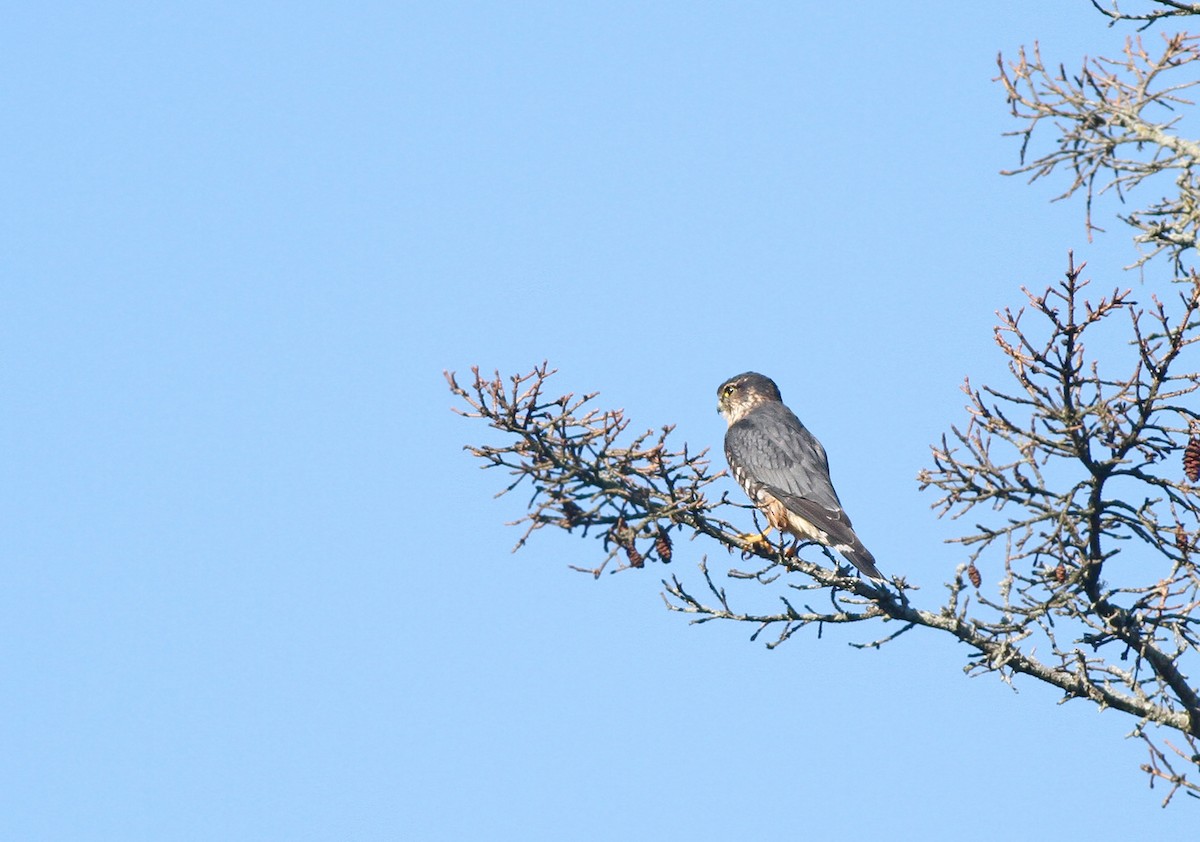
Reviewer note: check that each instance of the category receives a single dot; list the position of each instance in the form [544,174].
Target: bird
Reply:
[784,470]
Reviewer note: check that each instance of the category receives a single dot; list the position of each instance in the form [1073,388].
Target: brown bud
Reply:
[571,513]
[662,545]
[1191,459]
[618,534]
[1182,541]
[1060,573]
[973,575]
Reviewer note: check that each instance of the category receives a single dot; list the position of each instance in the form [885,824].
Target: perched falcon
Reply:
[783,468]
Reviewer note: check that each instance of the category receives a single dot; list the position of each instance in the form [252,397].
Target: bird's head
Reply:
[743,392]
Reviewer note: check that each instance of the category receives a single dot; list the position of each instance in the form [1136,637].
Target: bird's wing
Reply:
[773,448]
[770,451]
[833,522]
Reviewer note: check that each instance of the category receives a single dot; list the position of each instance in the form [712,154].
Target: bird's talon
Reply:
[755,542]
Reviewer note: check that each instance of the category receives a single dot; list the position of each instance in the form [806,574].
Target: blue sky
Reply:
[252,586]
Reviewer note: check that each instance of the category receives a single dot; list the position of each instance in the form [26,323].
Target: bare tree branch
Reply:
[1114,123]
[1080,528]
[1167,9]
[1096,590]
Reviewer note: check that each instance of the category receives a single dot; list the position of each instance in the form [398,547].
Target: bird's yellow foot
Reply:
[756,541]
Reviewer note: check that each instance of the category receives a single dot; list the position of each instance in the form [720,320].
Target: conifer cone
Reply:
[1191,459]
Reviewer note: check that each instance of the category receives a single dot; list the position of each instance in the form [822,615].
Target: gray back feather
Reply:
[773,448]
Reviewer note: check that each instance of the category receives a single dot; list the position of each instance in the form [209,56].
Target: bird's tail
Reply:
[860,557]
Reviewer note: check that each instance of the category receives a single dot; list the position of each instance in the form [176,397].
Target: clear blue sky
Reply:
[253,588]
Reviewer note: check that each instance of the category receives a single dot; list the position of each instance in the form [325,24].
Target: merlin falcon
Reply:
[783,468]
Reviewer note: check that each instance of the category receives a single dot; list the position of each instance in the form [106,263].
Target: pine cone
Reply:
[1191,459]
[635,558]
[662,545]
[973,575]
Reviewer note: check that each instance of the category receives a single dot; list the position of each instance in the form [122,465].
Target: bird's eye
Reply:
[729,390]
